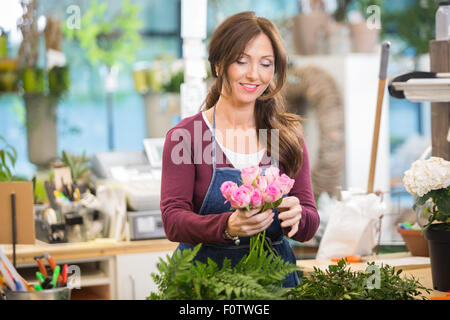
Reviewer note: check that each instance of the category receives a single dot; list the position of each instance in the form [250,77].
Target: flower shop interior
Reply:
[89,89]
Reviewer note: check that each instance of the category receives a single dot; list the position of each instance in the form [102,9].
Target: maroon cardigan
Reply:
[187,173]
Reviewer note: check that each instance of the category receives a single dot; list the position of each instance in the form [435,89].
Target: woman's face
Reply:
[252,72]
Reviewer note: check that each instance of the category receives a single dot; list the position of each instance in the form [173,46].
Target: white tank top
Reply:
[239,160]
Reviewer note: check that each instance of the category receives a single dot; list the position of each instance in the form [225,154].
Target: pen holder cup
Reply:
[50,294]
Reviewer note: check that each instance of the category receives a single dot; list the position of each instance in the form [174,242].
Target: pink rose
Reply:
[226,188]
[272,192]
[272,174]
[256,199]
[240,197]
[261,183]
[285,183]
[249,174]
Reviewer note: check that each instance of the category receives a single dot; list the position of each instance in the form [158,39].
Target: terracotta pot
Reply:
[415,242]
[364,40]
[309,32]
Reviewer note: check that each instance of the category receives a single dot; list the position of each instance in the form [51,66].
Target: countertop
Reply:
[91,249]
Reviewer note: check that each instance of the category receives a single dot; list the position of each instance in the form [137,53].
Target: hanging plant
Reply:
[109,42]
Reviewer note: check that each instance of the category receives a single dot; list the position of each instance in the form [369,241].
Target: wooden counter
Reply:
[83,250]
[419,269]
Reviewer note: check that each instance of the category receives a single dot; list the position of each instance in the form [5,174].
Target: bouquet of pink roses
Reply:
[257,191]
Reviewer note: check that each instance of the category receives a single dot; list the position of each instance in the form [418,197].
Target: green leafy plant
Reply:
[439,210]
[174,83]
[341,283]
[413,24]
[77,164]
[8,158]
[181,278]
[109,41]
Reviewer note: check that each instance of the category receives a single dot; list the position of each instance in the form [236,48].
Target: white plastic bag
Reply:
[351,227]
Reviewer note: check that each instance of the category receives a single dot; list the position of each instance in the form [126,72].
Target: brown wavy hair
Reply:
[227,44]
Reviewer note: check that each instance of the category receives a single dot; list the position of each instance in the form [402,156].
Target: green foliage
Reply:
[40,195]
[413,24]
[440,210]
[109,42]
[259,277]
[77,164]
[174,83]
[340,283]
[8,158]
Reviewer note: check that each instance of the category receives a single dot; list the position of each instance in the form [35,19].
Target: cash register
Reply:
[139,174]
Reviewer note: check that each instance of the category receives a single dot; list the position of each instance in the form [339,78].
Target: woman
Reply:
[249,61]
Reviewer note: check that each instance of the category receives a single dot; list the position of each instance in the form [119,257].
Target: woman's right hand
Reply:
[245,223]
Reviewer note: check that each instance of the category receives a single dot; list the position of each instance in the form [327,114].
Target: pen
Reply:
[47,283]
[55,276]
[77,196]
[7,277]
[38,287]
[52,264]
[40,277]
[41,265]
[64,274]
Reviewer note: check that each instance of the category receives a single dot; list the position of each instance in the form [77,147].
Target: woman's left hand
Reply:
[290,213]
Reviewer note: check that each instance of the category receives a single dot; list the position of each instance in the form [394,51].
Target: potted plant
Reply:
[413,26]
[365,39]
[41,88]
[429,181]
[8,67]
[339,41]
[159,82]
[310,28]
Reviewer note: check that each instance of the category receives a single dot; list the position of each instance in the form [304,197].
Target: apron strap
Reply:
[214,138]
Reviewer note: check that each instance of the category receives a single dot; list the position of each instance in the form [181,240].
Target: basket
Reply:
[415,242]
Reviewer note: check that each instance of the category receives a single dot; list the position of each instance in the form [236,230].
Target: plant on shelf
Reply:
[78,166]
[341,283]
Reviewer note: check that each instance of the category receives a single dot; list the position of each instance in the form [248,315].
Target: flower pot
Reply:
[439,244]
[58,80]
[364,39]
[3,46]
[415,242]
[309,32]
[42,134]
[33,80]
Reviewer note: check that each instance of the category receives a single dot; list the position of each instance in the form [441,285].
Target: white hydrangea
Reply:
[427,175]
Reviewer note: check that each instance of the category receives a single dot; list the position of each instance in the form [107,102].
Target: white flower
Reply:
[427,175]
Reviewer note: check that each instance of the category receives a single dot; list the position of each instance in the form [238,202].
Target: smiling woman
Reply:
[244,104]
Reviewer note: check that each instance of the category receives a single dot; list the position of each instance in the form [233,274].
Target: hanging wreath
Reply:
[315,88]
